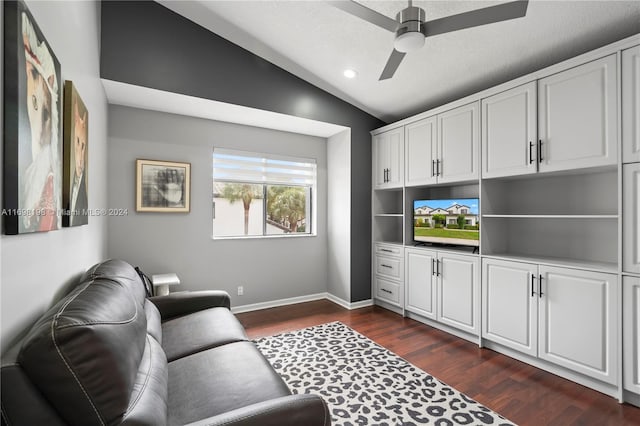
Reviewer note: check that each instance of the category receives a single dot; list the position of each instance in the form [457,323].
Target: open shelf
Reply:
[387,202]
[388,228]
[585,195]
[581,241]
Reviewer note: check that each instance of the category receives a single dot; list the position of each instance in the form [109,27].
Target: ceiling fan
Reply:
[411,28]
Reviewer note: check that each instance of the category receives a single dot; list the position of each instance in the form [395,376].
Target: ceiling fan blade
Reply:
[474,18]
[392,65]
[369,15]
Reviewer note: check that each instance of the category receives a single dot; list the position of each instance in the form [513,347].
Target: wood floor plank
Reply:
[520,392]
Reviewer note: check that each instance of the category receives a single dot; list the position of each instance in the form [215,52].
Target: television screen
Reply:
[447,221]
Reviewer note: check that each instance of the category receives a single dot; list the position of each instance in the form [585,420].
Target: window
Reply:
[256,195]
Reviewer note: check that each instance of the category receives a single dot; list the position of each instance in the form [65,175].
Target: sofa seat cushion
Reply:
[199,331]
[218,380]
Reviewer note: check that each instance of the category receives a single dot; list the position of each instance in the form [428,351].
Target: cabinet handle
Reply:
[433,266]
[531,160]
[437,167]
[386,266]
[386,250]
[386,291]
[540,293]
[539,150]
[433,166]
[533,278]
[438,268]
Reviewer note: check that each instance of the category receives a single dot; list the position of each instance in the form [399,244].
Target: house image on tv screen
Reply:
[446,221]
[451,214]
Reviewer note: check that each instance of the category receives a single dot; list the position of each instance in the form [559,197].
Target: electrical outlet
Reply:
[240,290]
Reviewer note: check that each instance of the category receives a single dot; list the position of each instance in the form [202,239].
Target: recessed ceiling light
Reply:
[349,73]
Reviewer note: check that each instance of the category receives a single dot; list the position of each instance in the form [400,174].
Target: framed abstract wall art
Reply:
[76,158]
[32,126]
[162,186]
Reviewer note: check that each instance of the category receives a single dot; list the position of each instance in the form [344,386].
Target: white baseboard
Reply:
[276,303]
[301,299]
[348,305]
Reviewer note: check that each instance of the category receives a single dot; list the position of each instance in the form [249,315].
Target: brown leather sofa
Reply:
[107,355]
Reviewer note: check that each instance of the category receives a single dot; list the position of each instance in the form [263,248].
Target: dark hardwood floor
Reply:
[522,393]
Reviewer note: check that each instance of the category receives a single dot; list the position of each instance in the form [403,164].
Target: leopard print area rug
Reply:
[364,383]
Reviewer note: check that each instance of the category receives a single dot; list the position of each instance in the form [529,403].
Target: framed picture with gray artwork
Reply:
[163,186]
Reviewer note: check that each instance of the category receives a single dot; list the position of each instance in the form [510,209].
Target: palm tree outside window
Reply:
[256,195]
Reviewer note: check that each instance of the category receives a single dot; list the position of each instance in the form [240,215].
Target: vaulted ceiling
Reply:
[317,42]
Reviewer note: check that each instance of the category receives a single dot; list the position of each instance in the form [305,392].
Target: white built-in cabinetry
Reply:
[554,158]
[443,148]
[389,274]
[578,117]
[631,222]
[421,152]
[458,139]
[388,159]
[562,315]
[631,104]
[509,132]
[443,286]
[631,328]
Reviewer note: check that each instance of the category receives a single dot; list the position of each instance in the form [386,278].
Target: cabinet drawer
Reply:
[387,290]
[389,250]
[389,266]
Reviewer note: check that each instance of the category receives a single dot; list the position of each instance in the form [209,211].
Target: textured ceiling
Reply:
[316,42]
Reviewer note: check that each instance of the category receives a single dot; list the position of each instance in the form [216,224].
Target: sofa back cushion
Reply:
[85,353]
[121,271]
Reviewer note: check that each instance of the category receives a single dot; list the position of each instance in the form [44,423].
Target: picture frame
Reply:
[163,186]
[32,156]
[75,174]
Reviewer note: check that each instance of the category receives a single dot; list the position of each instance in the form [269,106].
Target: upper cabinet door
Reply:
[631,105]
[631,218]
[577,117]
[509,137]
[388,159]
[395,173]
[419,143]
[458,139]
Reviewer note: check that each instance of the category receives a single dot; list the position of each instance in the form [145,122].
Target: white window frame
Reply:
[267,169]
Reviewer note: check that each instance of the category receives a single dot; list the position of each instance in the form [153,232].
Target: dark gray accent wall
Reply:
[146,44]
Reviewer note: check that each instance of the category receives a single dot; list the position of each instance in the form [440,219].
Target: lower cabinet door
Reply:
[510,304]
[458,292]
[631,329]
[578,321]
[420,282]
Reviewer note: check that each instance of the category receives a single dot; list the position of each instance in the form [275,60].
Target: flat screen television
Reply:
[450,221]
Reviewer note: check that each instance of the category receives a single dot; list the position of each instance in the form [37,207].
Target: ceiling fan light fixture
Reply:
[409,41]
[411,32]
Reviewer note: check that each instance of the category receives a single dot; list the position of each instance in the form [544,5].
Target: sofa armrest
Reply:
[186,302]
[292,410]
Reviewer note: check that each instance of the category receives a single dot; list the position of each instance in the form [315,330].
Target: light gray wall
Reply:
[35,268]
[269,269]
[338,215]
